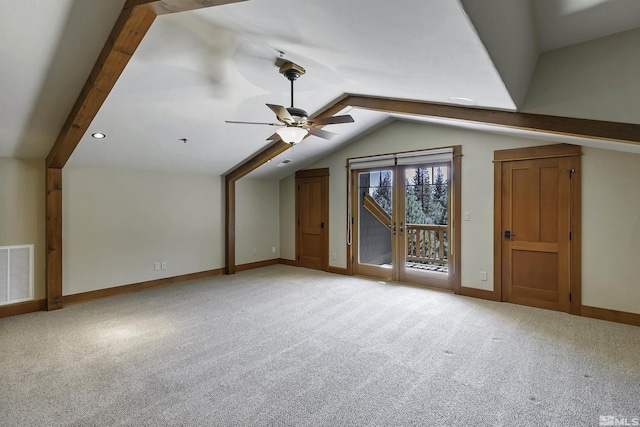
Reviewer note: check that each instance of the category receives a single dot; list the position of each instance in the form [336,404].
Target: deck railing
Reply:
[427,243]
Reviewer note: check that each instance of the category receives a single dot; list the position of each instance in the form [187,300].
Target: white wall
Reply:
[257,220]
[22,211]
[599,80]
[593,80]
[507,31]
[477,185]
[611,230]
[609,191]
[117,223]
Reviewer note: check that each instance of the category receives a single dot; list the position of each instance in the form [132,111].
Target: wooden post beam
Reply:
[130,28]
[53,232]
[230,226]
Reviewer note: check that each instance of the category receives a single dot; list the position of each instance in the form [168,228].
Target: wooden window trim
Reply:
[455,183]
[311,173]
[539,152]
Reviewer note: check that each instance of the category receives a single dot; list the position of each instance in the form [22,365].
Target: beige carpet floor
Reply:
[284,346]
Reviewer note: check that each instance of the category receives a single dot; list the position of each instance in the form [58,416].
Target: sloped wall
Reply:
[593,80]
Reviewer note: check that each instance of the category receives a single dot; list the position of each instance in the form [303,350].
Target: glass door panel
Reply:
[425,229]
[375,223]
[401,225]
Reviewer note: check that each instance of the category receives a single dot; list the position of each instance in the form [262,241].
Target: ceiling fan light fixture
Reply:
[292,135]
[295,123]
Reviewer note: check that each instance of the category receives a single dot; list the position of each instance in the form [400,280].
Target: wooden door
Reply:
[312,202]
[536,209]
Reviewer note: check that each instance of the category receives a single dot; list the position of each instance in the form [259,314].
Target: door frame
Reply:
[575,222]
[455,219]
[426,278]
[314,173]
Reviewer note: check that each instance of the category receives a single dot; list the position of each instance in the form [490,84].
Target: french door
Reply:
[401,223]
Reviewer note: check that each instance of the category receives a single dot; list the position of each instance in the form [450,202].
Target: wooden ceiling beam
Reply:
[582,128]
[127,33]
[258,160]
[164,7]
[134,21]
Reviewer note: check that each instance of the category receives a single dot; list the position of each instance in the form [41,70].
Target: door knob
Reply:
[508,235]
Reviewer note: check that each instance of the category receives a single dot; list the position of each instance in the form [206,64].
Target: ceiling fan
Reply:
[295,123]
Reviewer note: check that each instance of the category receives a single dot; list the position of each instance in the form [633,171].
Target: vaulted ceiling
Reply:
[196,69]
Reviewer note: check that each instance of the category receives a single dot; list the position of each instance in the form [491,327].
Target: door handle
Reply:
[321,225]
[508,235]
[401,228]
[394,228]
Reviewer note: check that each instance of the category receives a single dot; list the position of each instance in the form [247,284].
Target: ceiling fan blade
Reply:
[281,112]
[321,121]
[253,123]
[274,137]
[322,133]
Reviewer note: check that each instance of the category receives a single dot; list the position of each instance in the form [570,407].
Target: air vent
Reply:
[16,274]
[283,163]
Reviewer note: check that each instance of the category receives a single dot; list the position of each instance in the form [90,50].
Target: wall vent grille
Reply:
[16,274]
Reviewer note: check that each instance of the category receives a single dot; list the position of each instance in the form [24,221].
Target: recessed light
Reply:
[460,100]
[98,135]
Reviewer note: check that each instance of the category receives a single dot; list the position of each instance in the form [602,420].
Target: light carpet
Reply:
[286,346]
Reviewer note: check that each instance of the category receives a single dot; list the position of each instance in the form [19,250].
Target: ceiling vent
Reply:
[283,163]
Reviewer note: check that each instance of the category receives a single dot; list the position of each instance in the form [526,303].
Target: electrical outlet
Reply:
[333,256]
[483,275]
[156,266]
[273,249]
[467,216]
[164,265]
[255,251]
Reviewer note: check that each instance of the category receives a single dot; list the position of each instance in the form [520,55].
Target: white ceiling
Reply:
[194,70]
[563,23]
